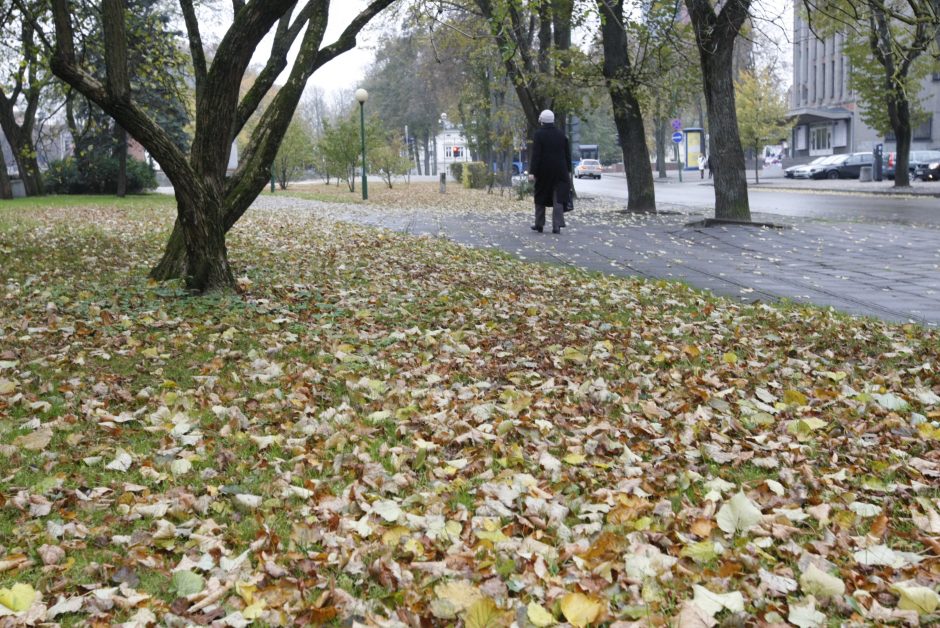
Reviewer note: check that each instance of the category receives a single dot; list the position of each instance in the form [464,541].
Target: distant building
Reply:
[825,111]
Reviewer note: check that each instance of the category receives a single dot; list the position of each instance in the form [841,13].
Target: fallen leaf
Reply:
[538,615]
[820,584]
[581,610]
[739,514]
[915,597]
[18,598]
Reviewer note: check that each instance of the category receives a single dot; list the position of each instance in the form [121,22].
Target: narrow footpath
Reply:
[886,271]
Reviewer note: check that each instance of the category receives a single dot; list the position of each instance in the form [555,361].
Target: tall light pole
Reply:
[362,96]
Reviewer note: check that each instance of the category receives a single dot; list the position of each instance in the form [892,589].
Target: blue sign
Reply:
[676,124]
[677,137]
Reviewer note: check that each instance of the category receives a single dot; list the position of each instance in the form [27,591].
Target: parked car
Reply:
[588,168]
[826,167]
[918,160]
[852,165]
[793,171]
[929,171]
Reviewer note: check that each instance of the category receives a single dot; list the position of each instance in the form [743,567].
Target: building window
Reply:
[922,132]
[832,79]
[935,76]
[822,92]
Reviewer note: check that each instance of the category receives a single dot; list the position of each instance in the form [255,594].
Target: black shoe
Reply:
[556,230]
[534,228]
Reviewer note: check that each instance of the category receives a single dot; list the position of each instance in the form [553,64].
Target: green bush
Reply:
[456,171]
[475,175]
[98,175]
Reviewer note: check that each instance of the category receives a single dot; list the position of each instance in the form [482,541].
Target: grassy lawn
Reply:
[381,428]
[412,195]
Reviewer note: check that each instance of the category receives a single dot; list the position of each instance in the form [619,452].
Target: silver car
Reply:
[588,168]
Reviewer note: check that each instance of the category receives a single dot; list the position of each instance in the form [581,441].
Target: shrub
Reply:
[456,171]
[98,175]
[475,175]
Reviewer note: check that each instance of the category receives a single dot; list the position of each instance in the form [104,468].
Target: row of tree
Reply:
[500,61]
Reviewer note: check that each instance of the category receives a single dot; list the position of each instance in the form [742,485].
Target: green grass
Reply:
[446,331]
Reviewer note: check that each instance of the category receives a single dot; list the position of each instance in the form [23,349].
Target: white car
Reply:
[588,168]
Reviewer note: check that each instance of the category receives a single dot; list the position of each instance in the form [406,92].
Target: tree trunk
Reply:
[6,189]
[173,263]
[660,132]
[427,153]
[24,153]
[202,222]
[715,36]
[628,117]
[122,161]
[901,126]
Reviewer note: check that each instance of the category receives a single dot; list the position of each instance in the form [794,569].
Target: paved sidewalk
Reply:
[885,271]
[770,180]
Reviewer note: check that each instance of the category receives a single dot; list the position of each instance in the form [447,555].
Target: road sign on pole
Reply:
[677,137]
[676,124]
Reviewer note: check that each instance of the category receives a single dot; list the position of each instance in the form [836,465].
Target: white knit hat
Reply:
[547,117]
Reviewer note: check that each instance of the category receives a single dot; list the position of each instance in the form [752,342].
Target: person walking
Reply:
[701,165]
[550,170]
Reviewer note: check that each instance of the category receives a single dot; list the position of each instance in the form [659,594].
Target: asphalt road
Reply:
[808,203]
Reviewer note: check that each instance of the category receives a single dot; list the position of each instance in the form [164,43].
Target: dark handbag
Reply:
[569,203]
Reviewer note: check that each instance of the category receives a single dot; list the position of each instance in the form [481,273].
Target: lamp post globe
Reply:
[362,96]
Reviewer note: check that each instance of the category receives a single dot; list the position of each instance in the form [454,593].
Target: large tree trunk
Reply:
[207,265]
[899,112]
[715,35]
[24,153]
[6,189]
[628,117]
[660,131]
[122,161]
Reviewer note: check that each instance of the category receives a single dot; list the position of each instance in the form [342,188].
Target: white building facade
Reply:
[825,111]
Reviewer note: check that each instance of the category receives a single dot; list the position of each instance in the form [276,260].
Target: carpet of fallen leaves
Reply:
[388,430]
[414,195]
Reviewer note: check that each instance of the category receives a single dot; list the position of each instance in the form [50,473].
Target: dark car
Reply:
[850,167]
[929,171]
[918,159]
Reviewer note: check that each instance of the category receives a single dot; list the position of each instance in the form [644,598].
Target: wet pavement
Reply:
[884,270]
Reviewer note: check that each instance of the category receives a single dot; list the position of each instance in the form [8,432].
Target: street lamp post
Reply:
[362,96]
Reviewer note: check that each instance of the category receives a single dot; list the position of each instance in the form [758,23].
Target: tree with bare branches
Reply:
[209,202]
[887,42]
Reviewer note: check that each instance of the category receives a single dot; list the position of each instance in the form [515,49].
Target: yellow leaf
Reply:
[916,598]
[460,593]
[18,598]
[581,610]
[538,615]
[393,537]
[485,614]
[928,431]
[575,459]
[253,611]
[246,591]
[729,358]
[493,536]
[794,398]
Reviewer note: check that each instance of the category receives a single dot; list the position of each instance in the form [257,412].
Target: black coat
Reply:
[551,164]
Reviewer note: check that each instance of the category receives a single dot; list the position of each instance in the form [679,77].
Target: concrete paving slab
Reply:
[886,271]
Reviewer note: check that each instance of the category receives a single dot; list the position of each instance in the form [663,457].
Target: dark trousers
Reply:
[558,209]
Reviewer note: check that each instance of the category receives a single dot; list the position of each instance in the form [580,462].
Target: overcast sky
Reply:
[347,71]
